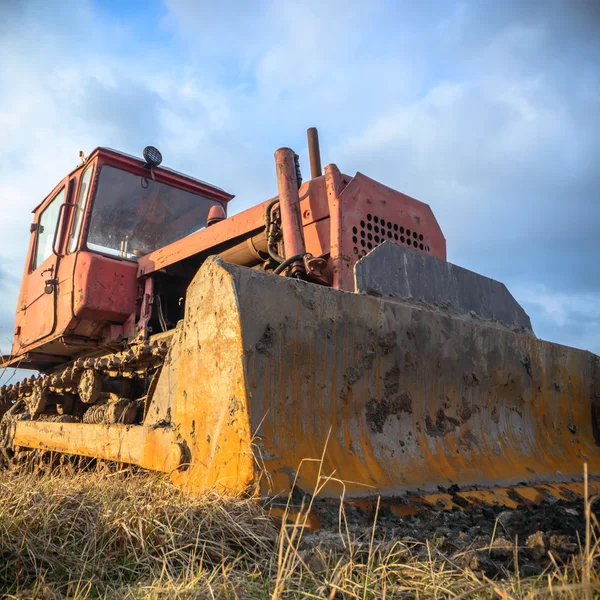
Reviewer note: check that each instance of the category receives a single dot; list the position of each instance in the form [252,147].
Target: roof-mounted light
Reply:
[152,157]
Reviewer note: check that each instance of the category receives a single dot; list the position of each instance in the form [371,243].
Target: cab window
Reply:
[82,196]
[133,216]
[47,225]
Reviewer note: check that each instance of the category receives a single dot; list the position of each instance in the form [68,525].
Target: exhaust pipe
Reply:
[289,205]
[314,152]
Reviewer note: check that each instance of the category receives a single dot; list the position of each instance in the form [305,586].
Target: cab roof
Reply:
[220,193]
[141,160]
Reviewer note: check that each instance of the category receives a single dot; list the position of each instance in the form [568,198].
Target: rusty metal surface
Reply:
[289,205]
[250,221]
[35,316]
[93,289]
[90,293]
[365,213]
[397,271]
[211,405]
[251,251]
[401,399]
[39,397]
[104,288]
[162,398]
[152,448]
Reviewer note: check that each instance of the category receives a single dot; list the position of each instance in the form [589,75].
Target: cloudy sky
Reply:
[489,111]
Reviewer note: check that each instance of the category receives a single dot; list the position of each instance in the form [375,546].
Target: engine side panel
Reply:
[366,214]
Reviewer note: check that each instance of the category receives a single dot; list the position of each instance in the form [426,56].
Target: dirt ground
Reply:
[492,540]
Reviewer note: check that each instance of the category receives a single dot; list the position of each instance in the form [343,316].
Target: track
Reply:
[108,388]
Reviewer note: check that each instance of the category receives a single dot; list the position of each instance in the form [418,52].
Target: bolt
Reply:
[176,455]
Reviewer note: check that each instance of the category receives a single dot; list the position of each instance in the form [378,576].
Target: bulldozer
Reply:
[316,342]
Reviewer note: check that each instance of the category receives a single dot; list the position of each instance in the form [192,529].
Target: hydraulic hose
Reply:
[270,250]
[268,211]
[274,254]
[287,262]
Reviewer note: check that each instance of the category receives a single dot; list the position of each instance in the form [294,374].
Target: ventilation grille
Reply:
[374,231]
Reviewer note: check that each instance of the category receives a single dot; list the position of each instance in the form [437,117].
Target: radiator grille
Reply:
[374,230]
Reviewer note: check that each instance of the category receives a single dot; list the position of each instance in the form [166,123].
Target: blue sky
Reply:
[489,111]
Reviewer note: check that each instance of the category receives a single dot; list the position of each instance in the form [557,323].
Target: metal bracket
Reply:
[50,285]
[315,268]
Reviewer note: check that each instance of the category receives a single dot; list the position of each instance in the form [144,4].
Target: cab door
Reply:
[39,302]
[73,225]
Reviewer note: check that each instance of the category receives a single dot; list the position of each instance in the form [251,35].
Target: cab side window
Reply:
[80,207]
[47,225]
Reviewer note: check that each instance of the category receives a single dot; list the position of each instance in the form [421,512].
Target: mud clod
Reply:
[378,411]
[443,424]
[265,344]
[234,407]
[526,362]
[465,411]
[468,440]
[353,374]
[470,379]
[501,549]
[537,544]
[495,415]
[460,501]
[512,522]
[387,342]
[391,381]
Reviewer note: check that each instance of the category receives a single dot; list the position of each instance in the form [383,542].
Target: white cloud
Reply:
[562,308]
[571,319]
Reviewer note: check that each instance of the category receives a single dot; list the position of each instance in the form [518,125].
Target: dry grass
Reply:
[120,536]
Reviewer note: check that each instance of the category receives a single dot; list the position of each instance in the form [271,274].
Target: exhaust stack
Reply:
[314,152]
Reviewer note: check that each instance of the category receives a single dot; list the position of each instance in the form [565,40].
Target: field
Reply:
[124,535]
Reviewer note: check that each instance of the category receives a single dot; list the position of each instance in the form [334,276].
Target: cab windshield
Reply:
[133,216]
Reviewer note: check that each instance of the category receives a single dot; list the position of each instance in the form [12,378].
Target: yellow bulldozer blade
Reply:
[397,398]
[275,385]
